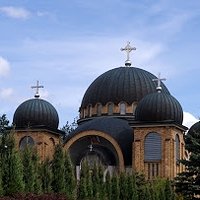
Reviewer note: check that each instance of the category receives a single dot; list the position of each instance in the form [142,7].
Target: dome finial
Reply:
[158,80]
[128,49]
[37,89]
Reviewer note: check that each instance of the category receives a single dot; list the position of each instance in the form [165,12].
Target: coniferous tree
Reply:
[115,192]
[4,124]
[108,186]
[188,182]
[169,191]
[58,171]
[69,176]
[85,183]
[123,185]
[28,170]
[11,166]
[37,178]
[132,187]
[16,184]
[46,176]
[102,190]
[1,186]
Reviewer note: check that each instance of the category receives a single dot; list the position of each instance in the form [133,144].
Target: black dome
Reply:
[127,84]
[36,113]
[159,106]
[119,129]
[195,128]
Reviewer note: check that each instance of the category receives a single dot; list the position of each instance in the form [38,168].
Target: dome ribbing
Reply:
[128,84]
[159,106]
[36,113]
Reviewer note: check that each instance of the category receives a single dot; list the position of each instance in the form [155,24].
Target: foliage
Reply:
[85,183]
[46,176]
[69,176]
[58,179]
[188,182]
[4,124]
[11,166]
[68,128]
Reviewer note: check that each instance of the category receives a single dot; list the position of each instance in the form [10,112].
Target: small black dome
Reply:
[36,113]
[127,84]
[195,128]
[159,106]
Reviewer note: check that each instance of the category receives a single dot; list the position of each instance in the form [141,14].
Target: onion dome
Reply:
[127,84]
[36,113]
[159,106]
[195,128]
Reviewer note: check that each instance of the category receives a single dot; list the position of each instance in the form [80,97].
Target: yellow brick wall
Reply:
[45,141]
[168,166]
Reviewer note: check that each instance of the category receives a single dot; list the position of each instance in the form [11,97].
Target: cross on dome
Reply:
[159,80]
[128,49]
[37,87]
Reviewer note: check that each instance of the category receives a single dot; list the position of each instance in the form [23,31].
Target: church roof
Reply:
[36,113]
[159,106]
[117,128]
[195,128]
[128,84]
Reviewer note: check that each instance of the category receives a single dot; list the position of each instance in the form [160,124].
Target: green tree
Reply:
[115,192]
[58,171]
[69,175]
[30,171]
[4,124]
[132,193]
[188,182]
[123,185]
[11,166]
[108,186]
[85,183]
[68,128]
[46,176]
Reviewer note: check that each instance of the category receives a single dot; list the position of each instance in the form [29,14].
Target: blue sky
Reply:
[67,44]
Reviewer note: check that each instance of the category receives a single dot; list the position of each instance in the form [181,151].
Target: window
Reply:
[152,147]
[110,108]
[122,108]
[89,110]
[177,149]
[99,109]
[26,141]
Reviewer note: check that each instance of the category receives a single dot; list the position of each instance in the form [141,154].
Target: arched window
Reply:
[89,110]
[99,109]
[177,150]
[25,142]
[110,108]
[153,154]
[122,108]
[152,147]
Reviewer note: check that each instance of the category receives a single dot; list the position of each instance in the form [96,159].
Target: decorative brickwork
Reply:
[168,166]
[44,141]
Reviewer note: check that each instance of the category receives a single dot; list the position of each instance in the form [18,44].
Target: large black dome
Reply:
[36,113]
[128,84]
[159,106]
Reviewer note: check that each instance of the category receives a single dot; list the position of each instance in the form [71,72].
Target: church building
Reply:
[128,121]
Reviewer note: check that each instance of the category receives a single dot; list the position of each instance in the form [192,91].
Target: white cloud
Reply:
[189,119]
[6,93]
[15,12]
[4,67]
